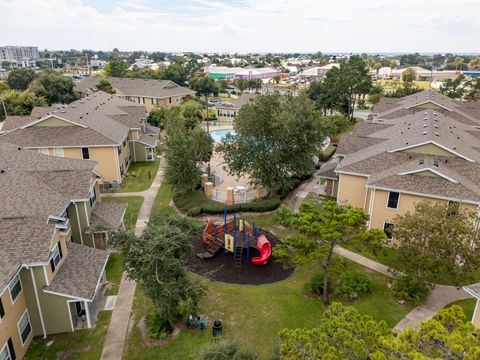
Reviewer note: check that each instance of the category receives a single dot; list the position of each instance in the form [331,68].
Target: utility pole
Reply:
[88,68]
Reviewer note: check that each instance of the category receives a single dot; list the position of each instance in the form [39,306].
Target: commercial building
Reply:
[19,55]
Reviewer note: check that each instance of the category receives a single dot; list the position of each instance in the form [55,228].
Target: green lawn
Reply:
[253,315]
[114,270]
[134,205]
[142,180]
[161,204]
[84,344]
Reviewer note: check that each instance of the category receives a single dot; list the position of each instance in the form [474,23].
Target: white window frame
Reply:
[10,288]
[43,151]
[141,100]
[20,331]
[6,348]
[389,223]
[55,254]
[55,152]
[398,201]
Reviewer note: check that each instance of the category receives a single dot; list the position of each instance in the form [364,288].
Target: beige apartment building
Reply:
[99,127]
[424,147]
[50,281]
[149,92]
[227,111]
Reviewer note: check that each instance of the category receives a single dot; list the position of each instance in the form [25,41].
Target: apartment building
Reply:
[148,92]
[423,147]
[50,280]
[227,111]
[99,127]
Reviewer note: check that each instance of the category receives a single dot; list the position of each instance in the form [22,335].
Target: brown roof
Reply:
[80,272]
[137,87]
[377,149]
[107,216]
[236,103]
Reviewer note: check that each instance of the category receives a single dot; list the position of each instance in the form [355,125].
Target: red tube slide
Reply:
[265,251]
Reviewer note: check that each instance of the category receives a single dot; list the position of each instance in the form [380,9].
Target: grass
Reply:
[253,315]
[134,205]
[161,205]
[84,344]
[141,181]
[114,270]
[468,306]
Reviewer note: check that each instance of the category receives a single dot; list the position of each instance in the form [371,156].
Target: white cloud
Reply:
[243,25]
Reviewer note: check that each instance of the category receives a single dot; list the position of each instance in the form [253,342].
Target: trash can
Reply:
[217,328]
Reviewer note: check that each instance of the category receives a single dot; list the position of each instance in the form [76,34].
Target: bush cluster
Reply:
[411,289]
[326,154]
[352,284]
[194,203]
[315,286]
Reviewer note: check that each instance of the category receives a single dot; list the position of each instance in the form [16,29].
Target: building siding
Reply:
[352,190]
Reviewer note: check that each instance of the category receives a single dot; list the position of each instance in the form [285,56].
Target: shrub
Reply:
[158,328]
[315,286]
[194,211]
[352,284]
[224,350]
[326,154]
[285,216]
[196,199]
[411,289]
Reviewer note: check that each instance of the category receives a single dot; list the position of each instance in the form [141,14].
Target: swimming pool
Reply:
[217,135]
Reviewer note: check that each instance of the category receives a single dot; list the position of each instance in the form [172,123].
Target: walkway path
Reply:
[439,297]
[118,328]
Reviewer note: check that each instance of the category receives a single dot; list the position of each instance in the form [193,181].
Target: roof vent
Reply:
[81,117]
[2,171]
[421,161]
[425,113]
[446,161]
[19,148]
[63,111]
[425,132]
[437,134]
[74,106]
[435,163]
[425,125]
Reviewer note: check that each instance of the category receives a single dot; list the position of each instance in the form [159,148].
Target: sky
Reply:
[373,26]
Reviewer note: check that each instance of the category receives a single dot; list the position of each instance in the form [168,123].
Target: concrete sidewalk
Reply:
[362,260]
[118,327]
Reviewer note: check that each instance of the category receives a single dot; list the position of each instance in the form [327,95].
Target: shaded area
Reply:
[220,268]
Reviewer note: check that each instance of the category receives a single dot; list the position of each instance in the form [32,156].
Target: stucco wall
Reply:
[352,189]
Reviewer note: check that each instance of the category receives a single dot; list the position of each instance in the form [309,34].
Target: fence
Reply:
[239,196]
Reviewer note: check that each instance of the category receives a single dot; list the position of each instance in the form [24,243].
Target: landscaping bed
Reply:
[220,267]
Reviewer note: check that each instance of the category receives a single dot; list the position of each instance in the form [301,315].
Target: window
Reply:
[388,229]
[2,311]
[58,152]
[122,170]
[43,151]
[169,100]
[141,100]
[24,327]
[56,257]
[5,353]
[93,196]
[119,149]
[452,208]
[15,288]
[85,153]
[393,198]
[124,142]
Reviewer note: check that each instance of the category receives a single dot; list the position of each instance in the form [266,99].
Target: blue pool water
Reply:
[217,135]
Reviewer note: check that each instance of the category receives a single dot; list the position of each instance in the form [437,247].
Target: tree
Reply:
[55,88]
[204,86]
[473,92]
[116,68]
[335,125]
[106,86]
[323,227]
[19,102]
[20,79]
[153,260]
[158,117]
[4,87]
[186,148]
[438,239]
[409,75]
[276,139]
[454,88]
[191,111]
[176,73]
[344,333]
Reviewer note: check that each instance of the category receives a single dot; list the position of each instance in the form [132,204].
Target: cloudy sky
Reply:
[244,25]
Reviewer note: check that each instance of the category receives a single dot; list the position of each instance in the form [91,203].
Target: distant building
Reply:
[22,56]
[318,72]
[257,73]
[228,110]
[222,72]
[97,64]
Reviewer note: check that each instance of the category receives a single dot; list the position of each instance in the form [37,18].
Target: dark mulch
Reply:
[220,268]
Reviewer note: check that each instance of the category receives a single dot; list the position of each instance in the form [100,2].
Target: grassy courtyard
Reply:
[142,180]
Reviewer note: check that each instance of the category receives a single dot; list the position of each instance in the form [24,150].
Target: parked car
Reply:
[215,102]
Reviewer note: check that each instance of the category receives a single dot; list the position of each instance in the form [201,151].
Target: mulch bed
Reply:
[220,268]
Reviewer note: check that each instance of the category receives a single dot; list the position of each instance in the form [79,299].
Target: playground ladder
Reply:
[215,246]
[237,259]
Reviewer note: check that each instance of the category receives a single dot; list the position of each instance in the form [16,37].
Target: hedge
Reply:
[326,154]
[195,202]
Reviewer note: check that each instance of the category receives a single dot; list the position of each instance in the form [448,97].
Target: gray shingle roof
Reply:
[80,272]
[237,103]
[375,149]
[107,216]
[137,87]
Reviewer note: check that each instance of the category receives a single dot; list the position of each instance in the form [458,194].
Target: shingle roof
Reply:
[107,216]
[98,119]
[80,272]
[149,139]
[376,149]
[236,103]
[32,188]
[137,87]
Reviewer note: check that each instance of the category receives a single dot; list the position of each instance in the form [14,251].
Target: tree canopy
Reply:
[437,239]
[106,86]
[276,139]
[116,68]
[344,333]
[19,102]
[54,88]
[20,79]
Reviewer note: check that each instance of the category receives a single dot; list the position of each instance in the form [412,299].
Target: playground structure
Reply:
[235,236]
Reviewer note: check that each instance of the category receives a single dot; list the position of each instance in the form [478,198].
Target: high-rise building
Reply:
[20,55]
